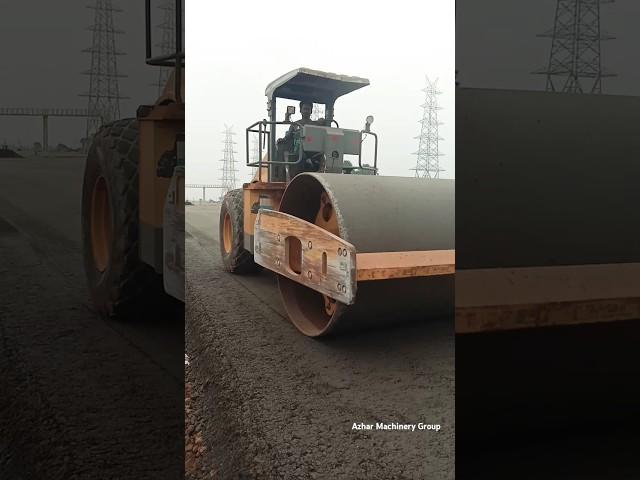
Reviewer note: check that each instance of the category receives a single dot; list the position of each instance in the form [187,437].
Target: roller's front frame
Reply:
[324,262]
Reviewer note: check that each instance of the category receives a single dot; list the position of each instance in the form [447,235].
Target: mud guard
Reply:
[173,236]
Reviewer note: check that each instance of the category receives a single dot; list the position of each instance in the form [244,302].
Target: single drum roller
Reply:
[358,251]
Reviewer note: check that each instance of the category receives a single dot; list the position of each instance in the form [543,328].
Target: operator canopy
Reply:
[314,86]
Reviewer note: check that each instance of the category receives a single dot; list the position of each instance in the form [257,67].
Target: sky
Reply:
[232,56]
[43,63]
[234,49]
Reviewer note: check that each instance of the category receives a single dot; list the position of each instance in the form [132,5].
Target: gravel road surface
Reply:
[80,397]
[275,404]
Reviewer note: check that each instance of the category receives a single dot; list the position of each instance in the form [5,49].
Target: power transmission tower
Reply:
[428,162]
[104,91]
[317,112]
[229,160]
[167,43]
[574,62]
[255,154]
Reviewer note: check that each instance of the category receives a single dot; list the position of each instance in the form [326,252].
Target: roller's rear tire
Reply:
[231,236]
[119,282]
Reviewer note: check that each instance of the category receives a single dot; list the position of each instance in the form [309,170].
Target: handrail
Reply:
[262,130]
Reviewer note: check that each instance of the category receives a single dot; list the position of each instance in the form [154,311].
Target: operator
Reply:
[306,109]
[287,143]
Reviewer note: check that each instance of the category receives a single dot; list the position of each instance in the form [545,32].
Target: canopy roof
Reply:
[313,86]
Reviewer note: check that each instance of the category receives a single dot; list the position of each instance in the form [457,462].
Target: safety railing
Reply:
[264,130]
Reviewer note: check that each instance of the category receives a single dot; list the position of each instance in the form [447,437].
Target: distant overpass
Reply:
[45,113]
[204,187]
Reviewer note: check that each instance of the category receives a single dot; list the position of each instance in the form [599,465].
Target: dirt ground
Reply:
[80,397]
[272,403]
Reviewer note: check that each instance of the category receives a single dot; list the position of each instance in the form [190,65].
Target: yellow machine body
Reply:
[158,131]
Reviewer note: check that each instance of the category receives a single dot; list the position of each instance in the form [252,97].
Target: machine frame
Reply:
[162,132]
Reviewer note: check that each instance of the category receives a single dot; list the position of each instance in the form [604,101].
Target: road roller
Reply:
[352,249]
[552,238]
[133,198]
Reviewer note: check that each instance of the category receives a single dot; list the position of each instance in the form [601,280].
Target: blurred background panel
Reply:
[548,259]
[91,387]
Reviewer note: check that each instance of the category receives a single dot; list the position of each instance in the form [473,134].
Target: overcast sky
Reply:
[234,49]
[42,64]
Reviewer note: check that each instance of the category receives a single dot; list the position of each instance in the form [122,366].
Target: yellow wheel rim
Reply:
[227,233]
[101,225]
